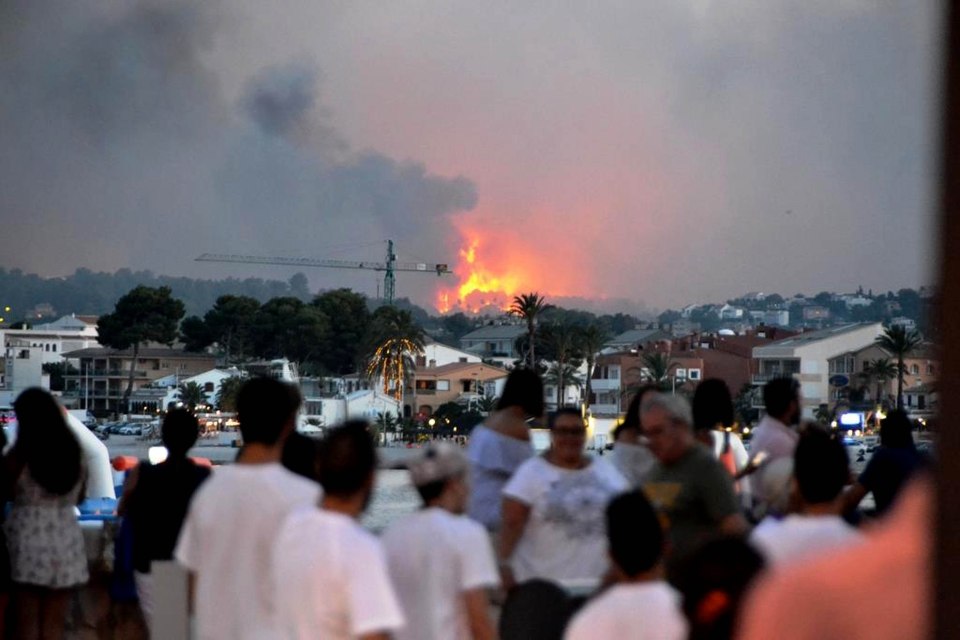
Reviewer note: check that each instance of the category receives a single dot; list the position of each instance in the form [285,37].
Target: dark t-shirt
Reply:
[693,496]
[158,507]
[888,470]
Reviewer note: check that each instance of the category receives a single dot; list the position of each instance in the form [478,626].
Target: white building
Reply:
[365,404]
[730,312]
[53,339]
[23,368]
[436,354]
[806,357]
[494,341]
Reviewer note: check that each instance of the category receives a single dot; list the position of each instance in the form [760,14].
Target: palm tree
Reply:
[591,339]
[899,342]
[656,368]
[880,370]
[487,404]
[191,394]
[393,363]
[562,375]
[397,341]
[227,393]
[527,307]
[386,422]
[560,338]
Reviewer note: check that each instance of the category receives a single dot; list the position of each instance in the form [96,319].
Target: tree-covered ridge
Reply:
[86,292]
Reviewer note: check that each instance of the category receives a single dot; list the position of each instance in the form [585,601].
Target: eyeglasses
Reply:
[570,432]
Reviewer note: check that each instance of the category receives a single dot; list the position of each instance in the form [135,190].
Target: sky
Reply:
[632,155]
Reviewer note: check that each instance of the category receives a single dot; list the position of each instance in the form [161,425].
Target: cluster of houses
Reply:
[829,364]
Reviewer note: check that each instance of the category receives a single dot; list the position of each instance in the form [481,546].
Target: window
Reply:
[443,385]
[53,348]
[915,369]
[929,369]
[463,359]
[694,374]
[682,373]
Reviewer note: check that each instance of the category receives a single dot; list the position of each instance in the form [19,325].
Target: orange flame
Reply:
[480,285]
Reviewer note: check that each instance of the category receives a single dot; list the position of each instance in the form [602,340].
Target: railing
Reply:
[763,378]
[105,373]
[605,384]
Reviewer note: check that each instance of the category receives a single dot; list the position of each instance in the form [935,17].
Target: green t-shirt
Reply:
[692,495]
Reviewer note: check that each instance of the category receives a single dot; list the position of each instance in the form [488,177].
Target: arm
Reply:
[478,614]
[515,517]
[129,484]
[853,496]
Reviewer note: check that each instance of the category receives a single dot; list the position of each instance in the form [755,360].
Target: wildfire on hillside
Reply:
[493,268]
[481,285]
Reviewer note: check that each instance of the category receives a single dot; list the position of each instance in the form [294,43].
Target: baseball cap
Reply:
[439,461]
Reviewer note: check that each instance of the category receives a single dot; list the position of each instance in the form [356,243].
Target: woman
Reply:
[631,456]
[47,554]
[894,462]
[553,510]
[713,416]
[501,443]
[155,499]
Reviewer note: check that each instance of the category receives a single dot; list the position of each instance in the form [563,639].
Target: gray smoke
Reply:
[119,149]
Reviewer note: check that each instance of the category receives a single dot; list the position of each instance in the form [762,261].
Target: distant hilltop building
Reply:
[494,341]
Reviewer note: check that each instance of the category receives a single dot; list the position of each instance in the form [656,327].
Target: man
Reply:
[330,575]
[820,472]
[441,562]
[155,501]
[775,438]
[233,519]
[692,490]
[640,605]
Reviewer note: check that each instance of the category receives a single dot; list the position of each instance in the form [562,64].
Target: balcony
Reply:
[105,373]
[605,384]
[763,378]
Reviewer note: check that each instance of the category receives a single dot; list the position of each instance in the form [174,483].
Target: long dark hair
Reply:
[45,444]
[712,405]
[632,418]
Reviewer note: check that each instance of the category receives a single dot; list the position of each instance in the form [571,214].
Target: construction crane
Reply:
[390,266]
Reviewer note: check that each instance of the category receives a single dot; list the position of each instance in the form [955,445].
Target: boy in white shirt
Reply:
[821,469]
[640,605]
[329,573]
[441,561]
[233,519]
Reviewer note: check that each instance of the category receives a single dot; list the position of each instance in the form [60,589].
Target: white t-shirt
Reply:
[799,537]
[565,537]
[331,580]
[227,540]
[633,461]
[434,557]
[631,611]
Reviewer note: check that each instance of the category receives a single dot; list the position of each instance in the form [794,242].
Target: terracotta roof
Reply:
[484,371]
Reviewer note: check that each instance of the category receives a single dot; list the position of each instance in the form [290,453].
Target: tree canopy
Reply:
[144,314]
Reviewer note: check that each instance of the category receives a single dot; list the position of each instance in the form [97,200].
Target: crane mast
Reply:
[390,266]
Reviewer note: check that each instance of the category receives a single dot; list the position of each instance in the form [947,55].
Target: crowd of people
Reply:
[681,533]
